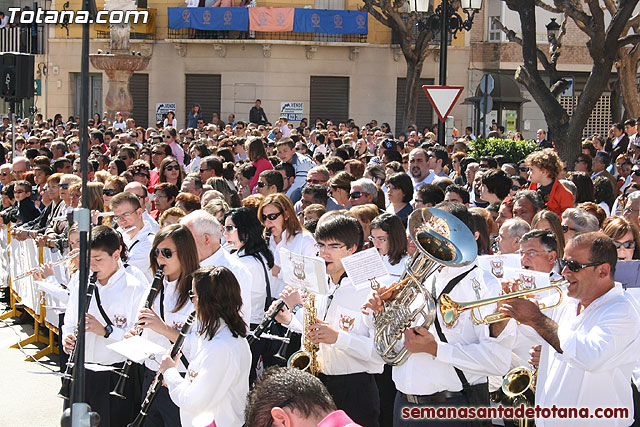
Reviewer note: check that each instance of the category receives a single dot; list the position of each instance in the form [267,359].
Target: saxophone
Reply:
[306,359]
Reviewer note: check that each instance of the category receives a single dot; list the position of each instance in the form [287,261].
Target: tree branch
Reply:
[611,6]
[631,39]
[369,7]
[559,87]
[633,23]
[511,36]
[582,20]
[542,5]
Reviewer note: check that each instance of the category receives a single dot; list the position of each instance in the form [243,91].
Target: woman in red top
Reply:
[258,157]
[544,168]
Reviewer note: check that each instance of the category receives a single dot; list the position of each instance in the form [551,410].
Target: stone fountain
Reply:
[119,63]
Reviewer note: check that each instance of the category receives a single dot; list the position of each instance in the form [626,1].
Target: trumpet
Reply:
[451,310]
[74,253]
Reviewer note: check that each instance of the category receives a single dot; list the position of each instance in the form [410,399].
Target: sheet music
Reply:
[138,349]
[365,266]
[304,272]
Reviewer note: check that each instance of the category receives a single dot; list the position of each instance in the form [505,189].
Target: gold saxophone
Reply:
[306,359]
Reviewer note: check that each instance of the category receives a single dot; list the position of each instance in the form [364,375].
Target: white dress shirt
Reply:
[222,258]
[395,271]
[353,352]
[120,297]
[174,320]
[302,243]
[600,348]
[469,347]
[139,248]
[258,283]
[217,382]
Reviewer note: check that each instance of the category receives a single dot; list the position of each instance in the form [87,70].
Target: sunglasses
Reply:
[229,228]
[146,175]
[636,172]
[515,187]
[157,153]
[626,245]
[166,252]
[356,194]
[261,184]
[315,181]
[167,136]
[172,168]
[524,169]
[271,217]
[109,192]
[65,186]
[192,296]
[566,228]
[575,266]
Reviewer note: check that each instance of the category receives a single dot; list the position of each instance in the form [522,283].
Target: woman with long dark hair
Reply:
[243,233]
[217,382]
[389,237]
[258,157]
[171,171]
[162,322]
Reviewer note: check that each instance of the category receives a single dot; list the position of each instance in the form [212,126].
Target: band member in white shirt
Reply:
[175,249]
[207,233]
[591,341]
[217,381]
[112,313]
[279,217]
[243,233]
[434,372]
[136,233]
[346,356]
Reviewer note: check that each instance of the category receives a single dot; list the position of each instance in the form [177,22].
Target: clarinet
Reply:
[118,391]
[267,236]
[65,390]
[266,322]
[157,381]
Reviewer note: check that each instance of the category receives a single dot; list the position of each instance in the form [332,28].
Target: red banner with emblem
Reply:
[271,19]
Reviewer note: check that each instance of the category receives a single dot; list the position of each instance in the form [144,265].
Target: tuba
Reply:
[306,359]
[441,239]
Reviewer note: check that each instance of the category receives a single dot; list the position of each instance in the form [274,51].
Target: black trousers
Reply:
[357,395]
[636,405]
[113,411]
[401,403]
[163,412]
[64,357]
[387,391]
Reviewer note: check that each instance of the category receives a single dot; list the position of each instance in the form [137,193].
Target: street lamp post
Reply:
[445,21]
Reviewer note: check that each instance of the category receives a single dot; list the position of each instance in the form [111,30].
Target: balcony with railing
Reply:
[261,23]
[22,39]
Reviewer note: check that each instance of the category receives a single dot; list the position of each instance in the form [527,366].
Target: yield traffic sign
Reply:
[443,98]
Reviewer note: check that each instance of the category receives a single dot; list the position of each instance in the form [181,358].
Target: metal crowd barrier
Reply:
[17,257]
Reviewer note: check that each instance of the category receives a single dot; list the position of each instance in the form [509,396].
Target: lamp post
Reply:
[553,31]
[445,21]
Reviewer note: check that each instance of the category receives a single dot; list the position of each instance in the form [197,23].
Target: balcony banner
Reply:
[209,18]
[330,21]
[271,19]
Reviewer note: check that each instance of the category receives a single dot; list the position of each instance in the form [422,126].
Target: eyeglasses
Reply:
[172,168]
[356,194]
[378,239]
[524,169]
[330,247]
[168,136]
[261,184]
[575,266]
[192,296]
[530,253]
[157,153]
[166,252]
[566,228]
[229,228]
[123,216]
[271,216]
[109,192]
[627,245]
[316,181]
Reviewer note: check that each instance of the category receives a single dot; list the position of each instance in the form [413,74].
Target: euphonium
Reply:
[440,239]
[307,358]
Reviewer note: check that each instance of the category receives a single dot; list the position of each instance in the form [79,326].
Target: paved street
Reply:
[28,399]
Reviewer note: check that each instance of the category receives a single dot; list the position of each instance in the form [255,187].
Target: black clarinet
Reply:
[118,391]
[65,390]
[266,322]
[157,381]
[267,236]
